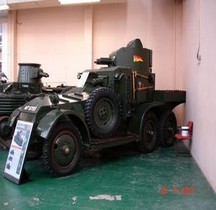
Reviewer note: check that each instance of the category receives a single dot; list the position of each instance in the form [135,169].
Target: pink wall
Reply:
[53,37]
[155,23]
[199,27]
[62,39]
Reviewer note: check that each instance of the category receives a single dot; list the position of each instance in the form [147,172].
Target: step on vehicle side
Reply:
[110,106]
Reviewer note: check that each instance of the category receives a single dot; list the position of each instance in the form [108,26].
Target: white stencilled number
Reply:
[30,108]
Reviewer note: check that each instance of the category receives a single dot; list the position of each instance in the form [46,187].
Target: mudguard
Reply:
[13,118]
[48,122]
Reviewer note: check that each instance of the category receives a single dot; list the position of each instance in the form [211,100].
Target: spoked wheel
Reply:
[102,111]
[167,129]
[61,152]
[149,133]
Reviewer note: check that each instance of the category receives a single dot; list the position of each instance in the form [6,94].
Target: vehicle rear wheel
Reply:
[62,150]
[167,128]
[149,131]
[102,111]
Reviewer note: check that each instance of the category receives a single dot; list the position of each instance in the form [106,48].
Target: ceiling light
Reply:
[77,1]
[4,7]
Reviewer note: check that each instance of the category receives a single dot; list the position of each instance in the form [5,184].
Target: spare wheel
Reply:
[102,112]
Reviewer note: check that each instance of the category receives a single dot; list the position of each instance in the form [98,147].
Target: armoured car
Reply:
[113,105]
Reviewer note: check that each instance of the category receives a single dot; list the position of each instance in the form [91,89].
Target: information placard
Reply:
[16,156]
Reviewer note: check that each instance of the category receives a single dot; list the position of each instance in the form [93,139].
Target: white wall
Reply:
[199,26]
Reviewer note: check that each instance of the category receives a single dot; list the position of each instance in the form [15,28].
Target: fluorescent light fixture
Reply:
[4,7]
[77,1]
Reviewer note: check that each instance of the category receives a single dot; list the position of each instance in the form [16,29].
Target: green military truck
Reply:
[114,105]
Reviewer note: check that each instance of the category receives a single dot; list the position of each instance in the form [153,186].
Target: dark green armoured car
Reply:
[110,106]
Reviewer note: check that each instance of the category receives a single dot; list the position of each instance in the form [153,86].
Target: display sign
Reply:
[16,156]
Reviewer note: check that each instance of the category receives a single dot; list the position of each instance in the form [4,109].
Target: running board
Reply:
[110,142]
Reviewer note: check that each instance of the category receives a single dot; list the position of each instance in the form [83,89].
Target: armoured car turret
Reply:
[113,105]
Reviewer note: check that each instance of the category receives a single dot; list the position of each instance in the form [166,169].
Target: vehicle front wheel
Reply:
[149,132]
[62,150]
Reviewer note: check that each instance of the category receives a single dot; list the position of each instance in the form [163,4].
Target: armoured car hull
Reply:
[110,106]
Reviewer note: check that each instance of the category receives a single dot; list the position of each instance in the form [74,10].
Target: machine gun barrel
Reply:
[42,74]
[105,61]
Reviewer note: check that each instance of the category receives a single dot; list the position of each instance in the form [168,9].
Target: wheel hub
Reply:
[103,113]
[169,131]
[149,132]
[64,149]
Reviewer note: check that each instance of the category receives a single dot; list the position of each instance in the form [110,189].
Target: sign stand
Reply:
[14,167]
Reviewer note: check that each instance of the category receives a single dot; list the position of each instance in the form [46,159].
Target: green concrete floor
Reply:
[118,178]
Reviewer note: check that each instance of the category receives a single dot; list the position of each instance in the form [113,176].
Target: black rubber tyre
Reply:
[4,133]
[34,151]
[167,128]
[102,112]
[62,150]
[149,133]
